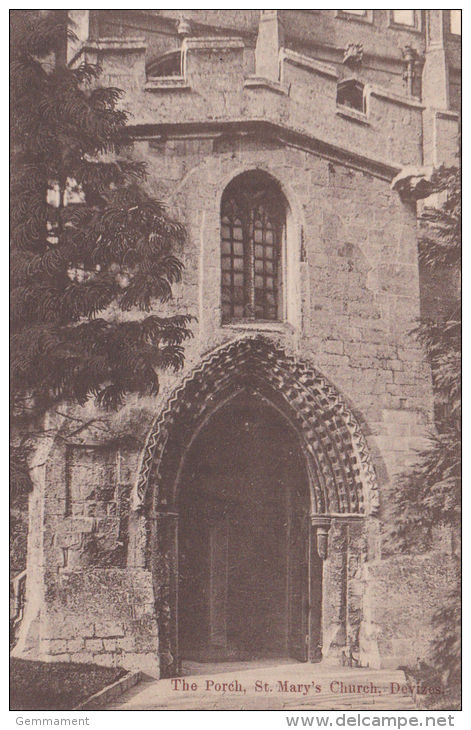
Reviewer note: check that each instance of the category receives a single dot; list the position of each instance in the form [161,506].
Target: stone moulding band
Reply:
[211,43]
[166,83]
[308,63]
[116,44]
[344,480]
[260,82]
[380,93]
[290,136]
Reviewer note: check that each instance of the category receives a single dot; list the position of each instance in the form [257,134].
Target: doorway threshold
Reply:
[190,667]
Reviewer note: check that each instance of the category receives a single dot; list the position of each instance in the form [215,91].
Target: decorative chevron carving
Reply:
[342,475]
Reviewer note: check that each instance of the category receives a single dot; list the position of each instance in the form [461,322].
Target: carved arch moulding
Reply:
[343,480]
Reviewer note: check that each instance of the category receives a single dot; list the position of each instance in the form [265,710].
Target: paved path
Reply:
[280,686]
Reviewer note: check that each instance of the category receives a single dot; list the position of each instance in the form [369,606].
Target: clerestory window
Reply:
[253,217]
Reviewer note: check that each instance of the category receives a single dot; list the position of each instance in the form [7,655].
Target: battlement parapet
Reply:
[214,86]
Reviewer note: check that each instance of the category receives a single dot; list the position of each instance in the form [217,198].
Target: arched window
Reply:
[170,64]
[253,216]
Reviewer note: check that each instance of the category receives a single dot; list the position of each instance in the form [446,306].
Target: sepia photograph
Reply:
[235,361]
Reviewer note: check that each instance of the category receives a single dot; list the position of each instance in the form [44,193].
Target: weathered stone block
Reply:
[57,646]
[334,346]
[93,645]
[105,659]
[126,643]
[147,663]
[60,657]
[74,645]
[84,658]
[110,644]
[108,628]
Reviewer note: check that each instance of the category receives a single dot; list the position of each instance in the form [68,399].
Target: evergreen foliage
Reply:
[429,494]
[87,240]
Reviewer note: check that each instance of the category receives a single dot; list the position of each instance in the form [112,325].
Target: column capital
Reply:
[321,521]
[322,524]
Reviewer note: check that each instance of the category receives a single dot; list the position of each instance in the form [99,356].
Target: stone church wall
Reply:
[356,293]
[352,285]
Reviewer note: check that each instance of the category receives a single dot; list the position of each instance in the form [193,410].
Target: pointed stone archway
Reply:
[342,483]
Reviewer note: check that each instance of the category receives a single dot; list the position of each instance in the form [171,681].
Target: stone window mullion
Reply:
[251,253]
[249,267]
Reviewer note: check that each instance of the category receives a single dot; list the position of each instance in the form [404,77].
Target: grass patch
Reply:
[56,685]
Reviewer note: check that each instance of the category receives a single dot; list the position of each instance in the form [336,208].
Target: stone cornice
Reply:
[310,64]
[352,114]
[285,135]
[109,45]
[447,114]
[115,44]
[212,44]
[383,93]
[166,83]
[260,82]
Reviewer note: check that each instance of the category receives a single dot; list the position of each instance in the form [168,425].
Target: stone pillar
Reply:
[318,552]
[440,124]
[435,82]
[30,627]
[122,60]
[355,584]
[334,598]
[79,21]
[165,578]
[137,542]
[270,40]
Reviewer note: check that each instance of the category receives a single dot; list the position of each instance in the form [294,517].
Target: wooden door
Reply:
[298,586]
[218,583]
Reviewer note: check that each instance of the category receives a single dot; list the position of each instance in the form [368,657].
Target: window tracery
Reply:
[252,230]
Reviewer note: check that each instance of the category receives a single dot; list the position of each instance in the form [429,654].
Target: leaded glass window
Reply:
[252,229]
